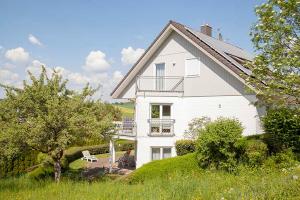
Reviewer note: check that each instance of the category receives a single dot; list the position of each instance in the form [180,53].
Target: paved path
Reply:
[101,167]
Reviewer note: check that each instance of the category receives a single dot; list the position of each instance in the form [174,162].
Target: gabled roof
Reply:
[229,55]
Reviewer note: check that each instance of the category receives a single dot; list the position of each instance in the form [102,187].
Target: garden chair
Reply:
[87,156]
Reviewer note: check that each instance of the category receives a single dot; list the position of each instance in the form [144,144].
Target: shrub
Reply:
[42,172]
[219,144]
[284,159]
[18,164]
[283,129]
[255,152]
[185,146]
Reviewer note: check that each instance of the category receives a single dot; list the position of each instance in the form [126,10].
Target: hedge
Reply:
[18,164]
[185,146]
[75,153]
[282,127]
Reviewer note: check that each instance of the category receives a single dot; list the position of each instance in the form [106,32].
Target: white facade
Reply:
[213,92]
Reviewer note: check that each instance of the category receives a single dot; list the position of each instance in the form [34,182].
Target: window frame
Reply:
[161,149]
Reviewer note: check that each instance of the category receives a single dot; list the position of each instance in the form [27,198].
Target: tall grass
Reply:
[200,185]
[174,178]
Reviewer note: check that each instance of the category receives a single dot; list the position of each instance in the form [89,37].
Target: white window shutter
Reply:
[192,67]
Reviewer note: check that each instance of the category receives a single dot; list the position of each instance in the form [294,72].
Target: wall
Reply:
[184,109]
[213,79]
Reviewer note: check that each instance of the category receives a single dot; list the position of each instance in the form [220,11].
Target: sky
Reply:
[98,41]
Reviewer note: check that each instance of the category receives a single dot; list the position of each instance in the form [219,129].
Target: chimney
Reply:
[206,29]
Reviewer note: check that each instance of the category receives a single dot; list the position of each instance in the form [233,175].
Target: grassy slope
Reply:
[164,168]
[175,178]
[127,109]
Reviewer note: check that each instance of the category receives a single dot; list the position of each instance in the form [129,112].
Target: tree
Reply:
[195,127]
[47,117]
[276,68]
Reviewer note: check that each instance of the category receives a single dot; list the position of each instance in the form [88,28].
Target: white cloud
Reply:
[130,55]
[117,76]
[33,40]
[77,78]
[17,55]
[96,61]
[8,77]
[35,68]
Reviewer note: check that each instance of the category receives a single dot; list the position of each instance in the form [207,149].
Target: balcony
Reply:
[161,127]
[160,84]
[127,128]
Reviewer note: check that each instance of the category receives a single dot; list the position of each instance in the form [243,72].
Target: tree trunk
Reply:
[57,170]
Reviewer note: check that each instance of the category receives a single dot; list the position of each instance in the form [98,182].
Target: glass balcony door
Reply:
[160,77]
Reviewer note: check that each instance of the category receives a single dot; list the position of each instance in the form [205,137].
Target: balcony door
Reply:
[160,122]
[160,76]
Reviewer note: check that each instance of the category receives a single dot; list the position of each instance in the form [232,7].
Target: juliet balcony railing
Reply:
[161,127]
[173,84]
[127,127]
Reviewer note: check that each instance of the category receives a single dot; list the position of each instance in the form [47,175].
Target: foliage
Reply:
[185,146]
[163,168]
[47,117]
[276,68]
[195,126]
[41,173]
[284,159]
[75,153]
[220,144]
[17,164]
[173,182]
[283,129]
[256,152]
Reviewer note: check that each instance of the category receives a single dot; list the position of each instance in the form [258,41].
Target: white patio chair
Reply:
[87,156]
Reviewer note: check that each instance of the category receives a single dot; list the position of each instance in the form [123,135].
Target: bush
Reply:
[185,146]
[284,159]
[219,144]
[255,152]
[282,127]
[42,172]
[18,164]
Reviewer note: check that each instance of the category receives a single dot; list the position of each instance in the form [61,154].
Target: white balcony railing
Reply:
[161,127]
[127,127]
[160,84]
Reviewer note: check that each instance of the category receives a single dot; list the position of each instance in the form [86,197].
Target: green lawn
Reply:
[127,109]
[80,164]
[175,178]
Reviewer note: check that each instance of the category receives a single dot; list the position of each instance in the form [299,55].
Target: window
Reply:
[166,111]
[158,153]
[160,73]
[160,111]
[166,153]
[192,67]
[160,119]
[155,111]
[155,153]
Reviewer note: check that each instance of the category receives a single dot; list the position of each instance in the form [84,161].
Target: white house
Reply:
[184,74]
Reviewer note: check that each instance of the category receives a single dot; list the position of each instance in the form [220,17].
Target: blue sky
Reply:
[97,41]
